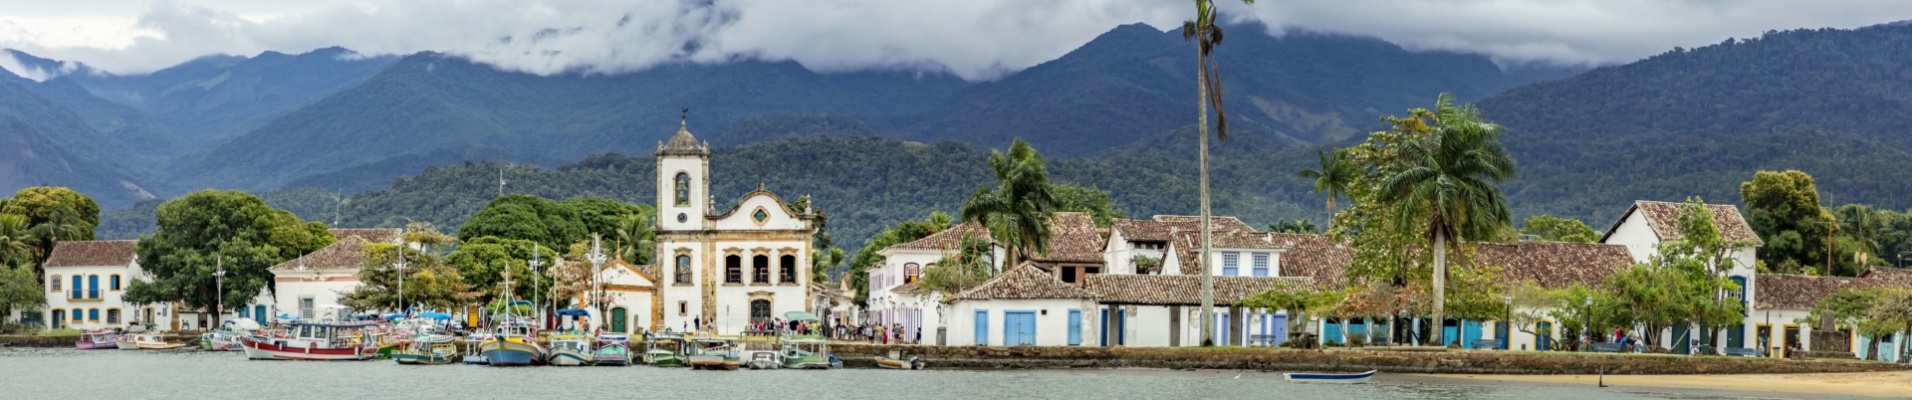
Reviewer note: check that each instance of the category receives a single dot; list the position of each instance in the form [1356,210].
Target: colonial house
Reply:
[1075,248]
[1786,299]
[1023,306]
[1165,310]
[1131,241]
[894,300]
[309,287]
[1551,265]
[84,282]
[836,304]
[1647,224]
[630,295]
[724,270]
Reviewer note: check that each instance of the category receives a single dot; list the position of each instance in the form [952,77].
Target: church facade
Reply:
[720,271]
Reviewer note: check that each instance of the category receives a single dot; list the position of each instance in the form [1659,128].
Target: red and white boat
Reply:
[313,341]
[97,339]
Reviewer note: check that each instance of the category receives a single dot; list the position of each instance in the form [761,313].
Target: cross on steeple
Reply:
[683,120]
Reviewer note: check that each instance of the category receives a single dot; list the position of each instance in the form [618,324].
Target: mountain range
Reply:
[1690,122]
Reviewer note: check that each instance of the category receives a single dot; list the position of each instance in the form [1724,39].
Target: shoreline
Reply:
[1883,384]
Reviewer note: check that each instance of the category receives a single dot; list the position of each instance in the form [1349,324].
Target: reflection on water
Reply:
[76,374]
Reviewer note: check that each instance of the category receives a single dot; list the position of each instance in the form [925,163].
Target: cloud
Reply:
[975,39]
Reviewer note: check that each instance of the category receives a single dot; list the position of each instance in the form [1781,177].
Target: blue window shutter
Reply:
[982,327]
[1230,262]
[93,286]
[1075,327]
[1261,264]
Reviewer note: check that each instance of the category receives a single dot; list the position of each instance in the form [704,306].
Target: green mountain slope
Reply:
[44,143]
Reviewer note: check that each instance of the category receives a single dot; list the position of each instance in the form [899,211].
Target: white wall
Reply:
[322,292]
[667,209]
[1051,329]
[107,299]
[741,220]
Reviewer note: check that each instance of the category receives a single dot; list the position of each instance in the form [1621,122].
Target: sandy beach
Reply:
[1889,384]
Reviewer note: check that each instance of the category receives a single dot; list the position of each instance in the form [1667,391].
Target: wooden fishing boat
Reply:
[613,349]
[807,352]
[428,349]
[899,363]
[125,342]
[663,350]
[712,353]
[313,342]
[472,355]
[96,339]
[512,343]
[571,349]
[154,341]
[1328,378]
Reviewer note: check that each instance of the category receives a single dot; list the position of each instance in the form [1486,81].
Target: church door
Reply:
[618,318]
[759,310]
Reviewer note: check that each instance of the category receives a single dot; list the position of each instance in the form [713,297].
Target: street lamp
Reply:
[1507,341]
[219,286]
[537,280]
[1586,326]
[401,264]
[597,259]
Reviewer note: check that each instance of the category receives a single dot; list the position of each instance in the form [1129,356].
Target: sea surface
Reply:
[120,374]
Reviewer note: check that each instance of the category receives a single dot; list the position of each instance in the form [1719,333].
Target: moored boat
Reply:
[761,349]
[96,339]
[712,353]
[154,341]
[571,349]
[125,342]
[807,352]
[899,363]
[428,349]
[472,355]
[513,343]
[664,350]
[227,336]
[1328,378]
[613,349]
[312,341]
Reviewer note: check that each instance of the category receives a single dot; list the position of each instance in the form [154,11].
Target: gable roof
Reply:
[1188,245]
[1555,264]
[1664,218]
[1024,282]
[1800,292]
[92,253]
[1158,229]
[347,253]
[1182,289]
[642,271]
[371,235]
[1072,239]
[948,239]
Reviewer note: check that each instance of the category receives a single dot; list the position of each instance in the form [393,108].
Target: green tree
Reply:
[1551,228]
[1298,301]
[1853,308]
[523,216]
[1295,226]
[1451,186]
[1783,208]
[20,289]
[867,257]
[18,245]
[1017,211]
[601,215]
[1334,175]
[430,283]
[635,239]
[482,263]
[202,231]
[1091,200]
[45,204]
[1206,33]
[972,264]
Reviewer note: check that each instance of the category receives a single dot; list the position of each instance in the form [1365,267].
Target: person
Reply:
[919,335]
[697,323]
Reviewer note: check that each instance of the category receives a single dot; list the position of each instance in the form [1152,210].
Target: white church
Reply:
[720,271]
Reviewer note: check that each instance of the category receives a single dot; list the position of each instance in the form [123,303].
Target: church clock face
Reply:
[682,218]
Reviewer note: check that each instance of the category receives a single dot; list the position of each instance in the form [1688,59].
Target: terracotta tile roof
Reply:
[1895,277]
[92,253]
[347,253]
[1024,282]
[1554,264]
[1316,256]
[371,235]
[1182,289]
[1800,292]
[1159,228]
[1072,239]
[1188,244]
[947,239]
[1664,218]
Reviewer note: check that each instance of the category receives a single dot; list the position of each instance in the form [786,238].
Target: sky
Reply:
[974,39]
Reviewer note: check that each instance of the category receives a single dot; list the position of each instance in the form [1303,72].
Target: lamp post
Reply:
[597,259]
[400,265]
[537,280]
[1507,341]
[1586,326]
[219,286]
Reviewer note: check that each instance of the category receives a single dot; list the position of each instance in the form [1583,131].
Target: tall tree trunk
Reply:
[1872,349]
[1440,287]
[1201,130]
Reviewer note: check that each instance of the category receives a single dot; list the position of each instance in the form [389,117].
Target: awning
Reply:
[801,316]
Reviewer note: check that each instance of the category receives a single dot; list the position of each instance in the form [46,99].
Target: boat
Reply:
[899,363]
[808,352]
[761,349]
[1328,378]
[227,336]
[428,349]
[513,343]
[571,349]
[153,341]
[613,349]
[313,342]
[472,355]
[125,342]
[712,353]
[663,350]
[96,339]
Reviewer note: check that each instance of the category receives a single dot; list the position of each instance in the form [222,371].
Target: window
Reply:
[92,286]
[683,308]
[1068,274]
[1261,264]
[683,189]
[93,314]
[683,269]
[760,269]
[113,316]
[306,311]
[733,269]
[1231,263]
[78,289]
[56,285]
[787,269]
[911,271]
[79,315]
[243,313]
[759,310]
[114,283]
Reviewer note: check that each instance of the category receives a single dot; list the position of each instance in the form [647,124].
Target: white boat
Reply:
[1328,378]
[125,342]
[309,341]
[146,341]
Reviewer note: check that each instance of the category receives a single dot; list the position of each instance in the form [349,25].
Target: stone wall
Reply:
[1346,360]
[38,341]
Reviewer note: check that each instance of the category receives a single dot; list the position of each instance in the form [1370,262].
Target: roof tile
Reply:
[1025,282]
[92,253]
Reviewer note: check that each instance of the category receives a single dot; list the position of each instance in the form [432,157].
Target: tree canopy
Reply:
[1556,229]
[205,230]
[1783,208]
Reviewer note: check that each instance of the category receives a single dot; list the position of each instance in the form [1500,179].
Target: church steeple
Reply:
[683,181]
[683,143]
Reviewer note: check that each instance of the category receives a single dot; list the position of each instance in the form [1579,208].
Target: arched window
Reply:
[114,283]
[787,269]
[683,189]
[759,310]
[683,269]
[733,269]
[56,287]
[760,269]
[910,272]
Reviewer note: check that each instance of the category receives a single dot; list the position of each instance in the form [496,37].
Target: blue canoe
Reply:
[1328,378]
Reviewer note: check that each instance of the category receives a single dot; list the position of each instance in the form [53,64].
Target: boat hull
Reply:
[510,353]
[92,345]
[423,359]
[1328,378]
[892,363]
[612,356]
[714,363]
[265,350]
[476,359]
[569,358]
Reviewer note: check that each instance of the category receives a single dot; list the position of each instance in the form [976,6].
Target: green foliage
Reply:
[635,238]
[1091,200]
[904,232]
[76,214]
[972,264]
[483,262]
[1295,226]
[1783,208]
[1297,301]
[20,288]
[521,216]
[1333,176]
[233,229]
[429,284]
[1017,210]
[18,244]
[1556,229]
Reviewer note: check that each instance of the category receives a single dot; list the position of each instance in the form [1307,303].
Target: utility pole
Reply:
[401,277]
[501,181]
[219,285]
[597,285]
[537,279]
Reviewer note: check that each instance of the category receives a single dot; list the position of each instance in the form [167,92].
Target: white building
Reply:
[84,282]
[1132,239]
[631,298]
[725,270]
[893,299]
[1647,224]
[310,287]
[1023,306]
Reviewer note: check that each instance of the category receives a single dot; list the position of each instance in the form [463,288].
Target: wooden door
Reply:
[618,320]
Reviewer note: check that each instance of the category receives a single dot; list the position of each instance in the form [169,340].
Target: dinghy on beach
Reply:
[1328,378]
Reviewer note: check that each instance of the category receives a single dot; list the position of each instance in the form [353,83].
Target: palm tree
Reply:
[1206,35]
[1449,185]
[1335,175]
[17,241]
[635,238]
[1017,210]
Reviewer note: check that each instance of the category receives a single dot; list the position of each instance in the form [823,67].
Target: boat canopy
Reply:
[573,312]
[394,316]
[435,315]
[521,303]
[801,316]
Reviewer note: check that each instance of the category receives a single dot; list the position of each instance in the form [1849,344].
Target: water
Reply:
[99,374]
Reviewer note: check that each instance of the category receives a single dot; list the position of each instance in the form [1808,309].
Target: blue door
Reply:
[1280,322]
[1221,329]
[1680,339]
[1501,333]
[1018,328]
[1075,327]
[1331,331]
[1736,336]
[1470,330]
[1121,328]
[1449,332]
[1105,327]
[982,327]
[1543,336]
[92,286]
[259,314]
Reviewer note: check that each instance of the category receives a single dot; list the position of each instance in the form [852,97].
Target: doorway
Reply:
[1763,337]
[1543,336]
[759,310]
[619,320]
